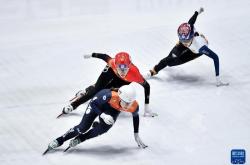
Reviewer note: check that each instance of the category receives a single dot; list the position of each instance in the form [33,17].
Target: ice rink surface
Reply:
[42,43]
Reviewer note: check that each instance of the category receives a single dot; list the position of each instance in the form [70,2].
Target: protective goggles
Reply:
[185,41]
[122,69]
[125,104]
[186,38]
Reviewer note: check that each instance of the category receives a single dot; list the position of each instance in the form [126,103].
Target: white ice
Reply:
[42,43]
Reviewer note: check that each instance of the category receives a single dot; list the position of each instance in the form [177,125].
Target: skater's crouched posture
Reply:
[107,105]
[119,71]
[191,45]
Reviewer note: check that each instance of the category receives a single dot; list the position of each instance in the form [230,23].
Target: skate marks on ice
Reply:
[105,150]
[48,152]
[101,151]
[179,77]
[72,114]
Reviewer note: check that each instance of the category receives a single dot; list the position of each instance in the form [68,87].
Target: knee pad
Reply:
[79,129]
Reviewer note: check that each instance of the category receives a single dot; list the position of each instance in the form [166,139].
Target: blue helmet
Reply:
[185,32]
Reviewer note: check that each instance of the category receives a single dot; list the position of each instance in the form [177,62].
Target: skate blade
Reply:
[71,100]
[224,84]
[46,151]
[67,149]
[59,115]
[150,115]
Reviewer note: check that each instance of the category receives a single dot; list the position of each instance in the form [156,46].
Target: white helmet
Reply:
[127,93]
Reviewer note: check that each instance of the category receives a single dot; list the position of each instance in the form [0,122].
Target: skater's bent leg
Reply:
[99,129]
[84,125]
[102,82]
[162,64]
[89,93]
[171,60]
[205,50]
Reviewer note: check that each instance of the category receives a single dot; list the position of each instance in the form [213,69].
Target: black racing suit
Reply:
[179,54]
[108,79]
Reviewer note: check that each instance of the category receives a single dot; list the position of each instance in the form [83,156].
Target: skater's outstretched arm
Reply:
[147,111]
[102,56]
[146,87]
[136,130]
[136,120]
[192,20]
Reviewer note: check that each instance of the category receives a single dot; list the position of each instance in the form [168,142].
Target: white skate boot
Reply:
[74,142]
[52,145]
[67,109]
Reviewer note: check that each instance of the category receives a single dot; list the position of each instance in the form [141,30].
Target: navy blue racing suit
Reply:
[98,105]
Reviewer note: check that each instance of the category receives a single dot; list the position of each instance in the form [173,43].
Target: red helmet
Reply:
[122,63]
[122,58]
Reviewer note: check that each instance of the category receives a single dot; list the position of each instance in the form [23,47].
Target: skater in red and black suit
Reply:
[118,71]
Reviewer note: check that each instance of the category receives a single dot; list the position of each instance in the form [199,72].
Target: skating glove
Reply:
[201,10]
[220,83]
[148,112]
[107,119]
[139,141]
[86,56]
[149,74]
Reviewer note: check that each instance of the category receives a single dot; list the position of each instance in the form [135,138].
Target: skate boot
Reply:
[67,109]
[148,112]
[52,145]
[74,142]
